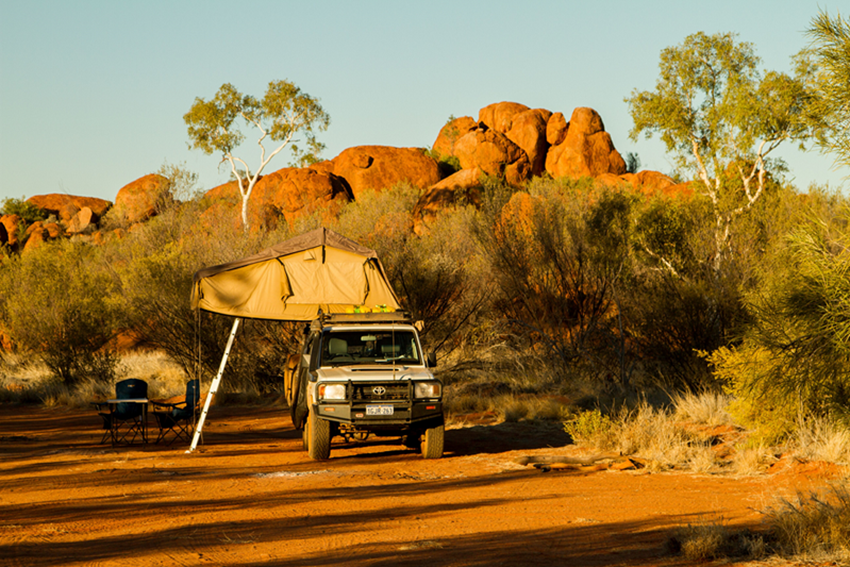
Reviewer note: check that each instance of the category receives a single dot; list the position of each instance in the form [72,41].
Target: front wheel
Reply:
[318,434]
[432,442]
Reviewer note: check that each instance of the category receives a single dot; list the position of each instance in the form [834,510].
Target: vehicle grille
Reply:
[392,391]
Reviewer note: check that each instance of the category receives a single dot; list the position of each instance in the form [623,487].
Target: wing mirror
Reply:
[431,359]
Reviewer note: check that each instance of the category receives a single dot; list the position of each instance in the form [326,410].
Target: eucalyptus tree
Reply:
[283,112]
[826,62]
[721,118]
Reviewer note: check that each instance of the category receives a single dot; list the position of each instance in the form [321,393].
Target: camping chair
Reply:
[123,419]
[179,418]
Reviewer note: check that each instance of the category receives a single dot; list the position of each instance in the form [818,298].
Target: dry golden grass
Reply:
[24,380]
[814,525]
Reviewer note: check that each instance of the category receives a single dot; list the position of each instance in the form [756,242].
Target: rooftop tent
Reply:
[293,280]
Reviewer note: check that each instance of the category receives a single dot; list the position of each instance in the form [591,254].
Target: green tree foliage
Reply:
[826,64]
[721,118]
[282,113]
[794,359]
[28,212]
[155,286]
[59,302]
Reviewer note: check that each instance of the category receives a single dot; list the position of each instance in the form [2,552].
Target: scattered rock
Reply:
[81,221]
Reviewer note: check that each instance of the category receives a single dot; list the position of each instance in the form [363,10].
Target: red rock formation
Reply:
[528,131]
[649,183]
[494,154]
[463,186]
[380,167]
[586,150]
[451,133]
[137,200]
[80,221]
[36,234]
[293,192]
[499,116]
[289,193]
[556,129]
[10,224]
[66,206]
[54,230]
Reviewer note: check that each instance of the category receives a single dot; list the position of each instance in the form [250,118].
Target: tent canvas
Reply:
[292,281]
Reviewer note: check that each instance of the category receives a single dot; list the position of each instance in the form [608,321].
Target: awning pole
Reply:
[214,386]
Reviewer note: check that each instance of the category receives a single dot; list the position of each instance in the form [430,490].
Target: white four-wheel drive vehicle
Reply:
[365,374]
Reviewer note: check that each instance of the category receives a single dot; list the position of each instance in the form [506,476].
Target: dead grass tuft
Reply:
[713,540]
[816,524]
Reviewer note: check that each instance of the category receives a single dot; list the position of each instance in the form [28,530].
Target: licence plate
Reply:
[379,410]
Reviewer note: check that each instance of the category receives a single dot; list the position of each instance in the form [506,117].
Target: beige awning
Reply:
[293,280]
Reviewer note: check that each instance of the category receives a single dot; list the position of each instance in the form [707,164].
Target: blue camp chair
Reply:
[179,418]
[124,421]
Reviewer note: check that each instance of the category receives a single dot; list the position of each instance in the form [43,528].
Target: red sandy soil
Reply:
[250,496]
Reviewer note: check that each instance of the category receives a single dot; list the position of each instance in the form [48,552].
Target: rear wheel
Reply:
[298,406]
[318,433]
[432,442]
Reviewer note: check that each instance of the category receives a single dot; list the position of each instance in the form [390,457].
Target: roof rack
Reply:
[359,318]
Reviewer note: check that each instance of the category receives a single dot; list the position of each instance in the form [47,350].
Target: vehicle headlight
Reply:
[332,391]
[427,390]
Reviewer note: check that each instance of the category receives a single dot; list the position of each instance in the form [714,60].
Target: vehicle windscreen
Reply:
[341,348]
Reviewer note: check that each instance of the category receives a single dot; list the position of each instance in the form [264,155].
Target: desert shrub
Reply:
[430,273]
[713,540]
[591,427]
[59,302]
[813,524]
[557,258]
[794,360]
[28,212]
[155,266]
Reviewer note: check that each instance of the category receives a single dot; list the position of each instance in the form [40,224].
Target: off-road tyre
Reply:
[432,442]
[318,437]
[298,407]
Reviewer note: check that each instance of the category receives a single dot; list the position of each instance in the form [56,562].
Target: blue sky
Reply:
[93,93]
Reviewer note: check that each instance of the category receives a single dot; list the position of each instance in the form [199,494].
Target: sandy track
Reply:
[250,496]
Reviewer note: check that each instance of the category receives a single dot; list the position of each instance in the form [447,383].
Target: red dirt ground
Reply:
[250,496]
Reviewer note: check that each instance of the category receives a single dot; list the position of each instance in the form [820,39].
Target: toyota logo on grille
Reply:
[379,390]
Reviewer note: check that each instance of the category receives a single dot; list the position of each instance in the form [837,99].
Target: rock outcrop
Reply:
[493,153]
[10,225]
[381,167]
[293,192]
[586,150]
[64,207]
[463,187]
[453,131]
[137,201]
